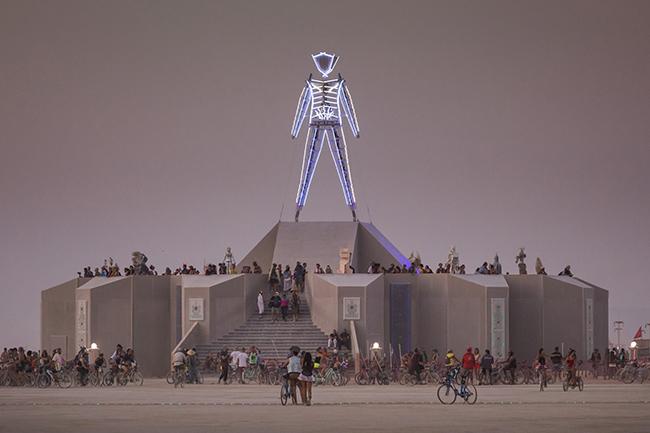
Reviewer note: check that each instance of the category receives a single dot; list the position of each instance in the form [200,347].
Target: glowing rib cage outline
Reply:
[323,100]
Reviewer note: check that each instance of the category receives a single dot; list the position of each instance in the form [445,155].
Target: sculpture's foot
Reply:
[297,213]
[354,216]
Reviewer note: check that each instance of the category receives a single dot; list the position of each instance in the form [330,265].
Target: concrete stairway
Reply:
[273,339]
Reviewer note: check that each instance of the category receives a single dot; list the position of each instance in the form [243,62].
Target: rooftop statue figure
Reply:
[539,267]
[324,99]
[497,265]
[139,261]
[519,260]
[229,261]
[452,260]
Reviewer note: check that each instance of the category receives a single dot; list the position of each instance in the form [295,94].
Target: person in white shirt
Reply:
[242,363]
[58,360]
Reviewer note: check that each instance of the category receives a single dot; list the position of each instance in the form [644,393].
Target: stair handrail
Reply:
[186,338]
[355,347]
[275,348]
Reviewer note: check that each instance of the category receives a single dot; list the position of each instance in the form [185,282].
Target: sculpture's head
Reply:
[325,62]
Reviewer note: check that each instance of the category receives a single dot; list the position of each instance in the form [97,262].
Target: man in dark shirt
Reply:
[415,364]
[510,366]
[556,361]
[486,367]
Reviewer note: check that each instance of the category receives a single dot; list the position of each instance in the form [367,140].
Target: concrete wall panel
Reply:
[323,302]
[111,315]
[227,306]
[466,320]
[58,316]
[151,324]
[563,316]
[526,312]
[430,312]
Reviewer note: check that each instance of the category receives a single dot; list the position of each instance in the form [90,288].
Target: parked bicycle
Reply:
[48,377]
[285,392]
[449,391]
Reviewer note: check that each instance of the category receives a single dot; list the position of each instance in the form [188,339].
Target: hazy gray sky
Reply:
[164,127]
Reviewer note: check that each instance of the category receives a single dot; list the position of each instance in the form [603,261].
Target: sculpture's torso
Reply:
[324,102]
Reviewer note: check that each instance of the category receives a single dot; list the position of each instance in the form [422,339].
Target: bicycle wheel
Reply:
[65,381]
[628,377]
[284,394]
[179,379]
[122,379]
[565,386]
[170,378]
[44,381]
[361,378]
[446,393]
[581,384]
[109,379]
[434,378]
[336,378]
[519,377]
[471,394]
[261,378]
[137,378]
[410,380]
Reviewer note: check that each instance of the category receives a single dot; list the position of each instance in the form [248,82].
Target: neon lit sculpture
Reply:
[323,99]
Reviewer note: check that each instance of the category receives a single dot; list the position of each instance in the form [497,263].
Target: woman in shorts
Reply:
[306,378]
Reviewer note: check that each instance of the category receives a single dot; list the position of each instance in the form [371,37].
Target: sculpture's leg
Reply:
[313,146]
[340,155]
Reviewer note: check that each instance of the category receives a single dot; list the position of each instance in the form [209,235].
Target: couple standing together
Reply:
[300,371]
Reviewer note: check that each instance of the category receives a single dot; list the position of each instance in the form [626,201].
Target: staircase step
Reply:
[272,338]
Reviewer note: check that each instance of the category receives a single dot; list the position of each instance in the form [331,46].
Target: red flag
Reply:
[639,334]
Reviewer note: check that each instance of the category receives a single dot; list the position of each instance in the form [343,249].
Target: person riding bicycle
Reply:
[128,361]
[179,359]
[44,362]
[99,363]
[82,365]
[571,367]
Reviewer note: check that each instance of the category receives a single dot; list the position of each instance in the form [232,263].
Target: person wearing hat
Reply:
[192,362]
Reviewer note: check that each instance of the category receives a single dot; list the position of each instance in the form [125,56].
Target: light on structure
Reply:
[375,346]
[633,345]
[94,346]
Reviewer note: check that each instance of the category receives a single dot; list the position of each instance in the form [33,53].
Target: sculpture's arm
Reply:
[346,101]
[301,110]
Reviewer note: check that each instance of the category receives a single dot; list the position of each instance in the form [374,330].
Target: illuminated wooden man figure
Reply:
[323,100]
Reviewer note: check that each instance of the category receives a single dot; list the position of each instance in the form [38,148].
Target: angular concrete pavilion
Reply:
[154,314]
